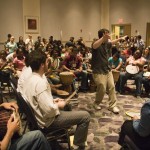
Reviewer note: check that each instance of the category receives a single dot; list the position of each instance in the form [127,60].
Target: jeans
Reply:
[84,79]
[124,76]
[146,84]
[67,119]
[33,140]
[127,129]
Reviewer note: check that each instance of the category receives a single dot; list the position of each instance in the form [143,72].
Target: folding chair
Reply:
[13,85]
[61,135]
[129,144]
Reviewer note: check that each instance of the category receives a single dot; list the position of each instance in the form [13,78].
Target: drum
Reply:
[132,69]
[67,79]
[62,94]
[4,117]
[146,74]
[115,75]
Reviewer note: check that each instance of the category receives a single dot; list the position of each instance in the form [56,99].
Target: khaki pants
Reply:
[105,82]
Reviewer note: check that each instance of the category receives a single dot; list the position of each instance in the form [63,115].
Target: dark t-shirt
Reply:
[100,58]
[72,62]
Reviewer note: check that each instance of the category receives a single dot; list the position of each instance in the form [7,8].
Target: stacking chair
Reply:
[13,84]
[129,144]
[61,135]
[13,80]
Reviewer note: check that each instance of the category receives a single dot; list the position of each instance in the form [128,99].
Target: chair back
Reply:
[14,88]
[130,143]
[13,80]
[27,110]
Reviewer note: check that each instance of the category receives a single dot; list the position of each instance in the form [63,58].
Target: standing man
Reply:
[101,70]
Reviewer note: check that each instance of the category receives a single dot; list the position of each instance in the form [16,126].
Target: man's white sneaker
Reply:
[114,110]
[97,107]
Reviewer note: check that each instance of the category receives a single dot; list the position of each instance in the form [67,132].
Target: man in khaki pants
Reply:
[101,70]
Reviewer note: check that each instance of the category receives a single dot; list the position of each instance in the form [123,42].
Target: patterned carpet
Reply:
[105,125]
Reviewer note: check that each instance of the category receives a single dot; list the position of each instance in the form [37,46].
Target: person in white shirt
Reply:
[27,72]
[29,43]
[48,111]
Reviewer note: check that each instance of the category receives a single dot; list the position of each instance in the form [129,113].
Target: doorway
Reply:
[119,30]
[148,34]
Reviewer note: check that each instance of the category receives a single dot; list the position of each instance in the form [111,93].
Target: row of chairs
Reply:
[60,135]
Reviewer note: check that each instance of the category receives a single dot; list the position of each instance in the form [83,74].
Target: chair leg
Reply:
[1,97]
[68,139]
[25,127]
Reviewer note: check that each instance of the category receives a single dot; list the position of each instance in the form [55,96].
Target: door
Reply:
[123,29]
[148,34]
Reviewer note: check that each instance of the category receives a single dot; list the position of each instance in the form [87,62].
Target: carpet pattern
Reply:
[105,125]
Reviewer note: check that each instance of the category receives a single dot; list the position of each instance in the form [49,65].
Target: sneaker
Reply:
[139,98]
[114,110]
[75,147]
[97,107]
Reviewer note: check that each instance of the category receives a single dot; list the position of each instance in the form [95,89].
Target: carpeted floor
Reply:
[105,125]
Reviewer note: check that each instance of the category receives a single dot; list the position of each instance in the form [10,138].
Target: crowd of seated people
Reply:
[19,59]
[53,48]
[134,54]
[75,57]
[59,54]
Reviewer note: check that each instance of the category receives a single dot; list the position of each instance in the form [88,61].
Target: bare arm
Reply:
[117,40]
[119,66]
[97,43]
[140,64]
[11,106]
[65,68]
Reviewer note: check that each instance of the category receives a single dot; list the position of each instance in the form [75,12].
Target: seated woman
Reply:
[5,68]
[138,129]
[134,62]
[19,61]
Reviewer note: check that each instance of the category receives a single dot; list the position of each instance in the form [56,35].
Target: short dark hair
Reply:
[139,36]
[9,35]
[117,55]
[36,58]
[101,32]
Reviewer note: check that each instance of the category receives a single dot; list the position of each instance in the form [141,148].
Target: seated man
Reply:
[26,73]
[33,140]
[46,109]
[138,129]
[138,61]
[73,63]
